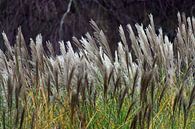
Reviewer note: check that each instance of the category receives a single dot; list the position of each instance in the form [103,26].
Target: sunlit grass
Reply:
[92,89]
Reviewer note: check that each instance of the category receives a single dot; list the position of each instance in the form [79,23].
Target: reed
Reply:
[149,83]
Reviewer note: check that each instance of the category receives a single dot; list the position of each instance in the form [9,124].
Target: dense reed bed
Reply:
[148,84]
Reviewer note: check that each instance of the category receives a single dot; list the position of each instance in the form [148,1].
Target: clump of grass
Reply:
[151,85]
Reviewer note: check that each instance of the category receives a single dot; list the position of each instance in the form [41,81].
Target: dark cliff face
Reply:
[44,16]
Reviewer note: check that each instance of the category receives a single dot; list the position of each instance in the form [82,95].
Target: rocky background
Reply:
[46,17]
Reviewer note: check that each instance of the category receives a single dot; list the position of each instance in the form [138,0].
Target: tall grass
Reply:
[150,85]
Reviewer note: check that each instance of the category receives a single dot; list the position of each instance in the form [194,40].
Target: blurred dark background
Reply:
[45,17]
